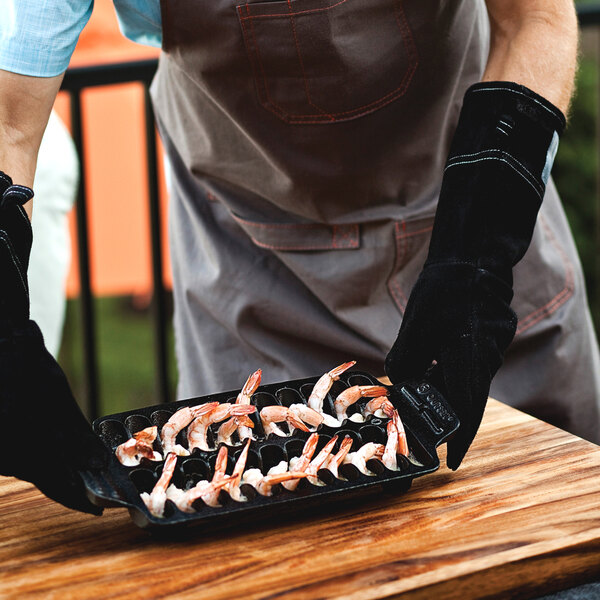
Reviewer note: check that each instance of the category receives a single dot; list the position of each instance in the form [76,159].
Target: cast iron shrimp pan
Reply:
[427,418]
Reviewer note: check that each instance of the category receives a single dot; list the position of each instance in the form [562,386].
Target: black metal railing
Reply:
[76,80]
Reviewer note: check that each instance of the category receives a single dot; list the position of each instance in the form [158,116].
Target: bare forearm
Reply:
[534,43]
[25,105]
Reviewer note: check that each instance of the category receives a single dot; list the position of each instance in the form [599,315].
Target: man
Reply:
[308,140]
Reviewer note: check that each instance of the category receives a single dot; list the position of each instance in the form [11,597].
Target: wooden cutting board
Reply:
[521,517]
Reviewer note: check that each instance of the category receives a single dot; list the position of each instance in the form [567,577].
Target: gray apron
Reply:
[307,140]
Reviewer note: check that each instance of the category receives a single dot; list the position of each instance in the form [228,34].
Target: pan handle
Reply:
[426,412]
[109,488]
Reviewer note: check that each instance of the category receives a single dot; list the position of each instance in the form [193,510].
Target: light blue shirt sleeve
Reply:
[38,37]
[140,21]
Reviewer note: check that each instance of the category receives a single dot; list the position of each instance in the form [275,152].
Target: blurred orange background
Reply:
[114,144]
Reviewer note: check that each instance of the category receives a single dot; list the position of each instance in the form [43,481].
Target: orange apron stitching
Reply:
[552,305]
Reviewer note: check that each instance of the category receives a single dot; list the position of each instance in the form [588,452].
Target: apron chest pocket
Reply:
[324,62]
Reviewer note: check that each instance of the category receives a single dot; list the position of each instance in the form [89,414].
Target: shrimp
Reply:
[244,397]
[131,452]
[249,388]
[377,407]
[212,497]
[155,500]
[280,467]
[264,483]
[315,400]
[337,459]
[236,477]
[391,447]
[147,435]
[402,444]
[199,426]
[175,495]
[300,463]
[363,454]
[352,395]
[320,461]
[270,415]
[306,414]
[234,424]
[203,489]
[177,422]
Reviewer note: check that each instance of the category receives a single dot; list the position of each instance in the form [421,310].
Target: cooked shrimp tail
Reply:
[271,415]
[197,431]
[155,501]
[207,490]
[147,435]
[337,459]
[402,441]
[236,477]
[391,447]
[300,464]
[353,394]
[323,385]
[363,454]
[319,461]
[265,485]
[139,446]
[378,407]
[306,414]
[180,419]
[249,388]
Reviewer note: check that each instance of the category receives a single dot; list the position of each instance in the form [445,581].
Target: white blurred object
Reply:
[55,188]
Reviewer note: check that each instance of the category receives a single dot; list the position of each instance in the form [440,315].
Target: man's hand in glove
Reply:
[44,437]
[458,317]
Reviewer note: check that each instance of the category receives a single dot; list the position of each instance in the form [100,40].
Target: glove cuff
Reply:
[495,177]
[503,119]
[509,95]
[13,194]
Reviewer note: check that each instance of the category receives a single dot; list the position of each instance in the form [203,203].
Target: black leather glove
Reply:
[44,437]
[458,317]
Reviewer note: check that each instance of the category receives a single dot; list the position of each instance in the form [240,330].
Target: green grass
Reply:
[125,355]
[575,173]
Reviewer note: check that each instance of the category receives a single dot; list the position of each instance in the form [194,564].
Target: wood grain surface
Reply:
[521,517]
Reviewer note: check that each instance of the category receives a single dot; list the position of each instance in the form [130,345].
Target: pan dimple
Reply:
[249,491]
[375,466]
[253,460]
[294,448]
[196,466]
[403,463]
[213,459]
[271,455]
[181,438]
[328,402]
[337,388]
[355,379]
[323,440]
[353,435]
[289,396]
[159,418]
[262,399]
[143,480]
[113,433]
[306,390]
[170,509]
[349,472]
[136,423]
[371,433]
